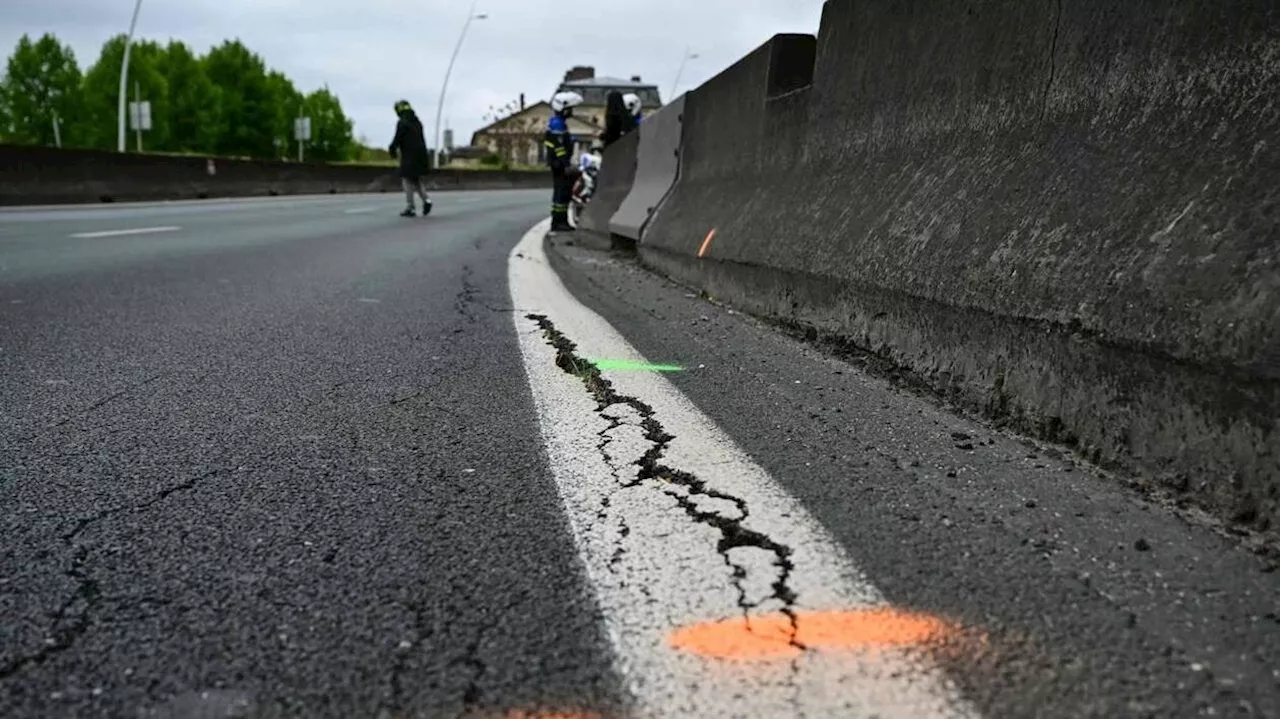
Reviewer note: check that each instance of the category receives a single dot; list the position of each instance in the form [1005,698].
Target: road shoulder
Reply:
[1097,601]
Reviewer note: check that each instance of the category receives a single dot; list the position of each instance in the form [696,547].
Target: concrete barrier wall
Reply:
[42,175]
[732,148]
[657,164]
[1062,214]
[617,173]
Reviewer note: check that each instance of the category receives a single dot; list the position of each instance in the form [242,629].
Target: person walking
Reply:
[410,146]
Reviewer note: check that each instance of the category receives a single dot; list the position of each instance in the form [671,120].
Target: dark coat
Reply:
[410,146]
[617,121]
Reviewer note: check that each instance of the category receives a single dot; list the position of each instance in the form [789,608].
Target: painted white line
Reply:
[360,210]
[670,547]
[119,233]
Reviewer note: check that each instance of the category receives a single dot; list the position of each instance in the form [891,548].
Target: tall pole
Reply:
[683,61]
[444,86]
[137,97]
[124,76]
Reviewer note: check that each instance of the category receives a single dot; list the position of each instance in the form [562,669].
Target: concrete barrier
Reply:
[617,173]
[657,165]
[1062,214]
[43,175]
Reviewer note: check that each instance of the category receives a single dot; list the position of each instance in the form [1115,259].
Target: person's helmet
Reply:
[401,106]
[633,103]
[562,101]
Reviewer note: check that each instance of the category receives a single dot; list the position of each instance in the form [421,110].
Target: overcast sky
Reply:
[373,52]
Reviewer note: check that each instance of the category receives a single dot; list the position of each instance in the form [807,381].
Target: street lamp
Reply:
[124,75]
[444,86]
[684,60]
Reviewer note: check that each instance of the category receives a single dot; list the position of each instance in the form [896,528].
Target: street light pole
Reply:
[444,86]
[683,61]
[124,76]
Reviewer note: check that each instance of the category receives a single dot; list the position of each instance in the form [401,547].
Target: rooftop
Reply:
[610,82]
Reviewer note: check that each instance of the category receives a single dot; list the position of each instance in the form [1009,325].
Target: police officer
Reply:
[559,147]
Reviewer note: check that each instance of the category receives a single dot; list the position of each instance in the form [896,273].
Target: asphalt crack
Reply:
[71,620]
[99,404]
[1053,62]
[466,297]
[403,653]
[682,486]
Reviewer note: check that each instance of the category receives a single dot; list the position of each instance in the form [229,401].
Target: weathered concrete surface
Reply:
[45,175]
[1063,213]
[657,165]
[617,173]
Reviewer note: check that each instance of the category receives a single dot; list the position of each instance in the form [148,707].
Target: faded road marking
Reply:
[119,233]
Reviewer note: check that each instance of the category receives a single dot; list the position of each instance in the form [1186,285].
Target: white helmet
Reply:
[632,101]
[564,100]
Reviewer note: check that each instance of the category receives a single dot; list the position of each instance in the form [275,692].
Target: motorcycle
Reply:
[583,190]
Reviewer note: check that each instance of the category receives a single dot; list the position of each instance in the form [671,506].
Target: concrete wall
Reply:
[617,173]
[42,175]
[1061,213]
[657,164]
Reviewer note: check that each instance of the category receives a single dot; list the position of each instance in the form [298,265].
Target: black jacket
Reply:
[410,146]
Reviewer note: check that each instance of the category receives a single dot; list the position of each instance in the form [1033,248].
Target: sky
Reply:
[374,52]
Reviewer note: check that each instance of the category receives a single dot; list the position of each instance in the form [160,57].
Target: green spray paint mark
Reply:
[626,366]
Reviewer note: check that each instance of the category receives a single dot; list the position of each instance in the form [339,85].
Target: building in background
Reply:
[595,90]
[517,137]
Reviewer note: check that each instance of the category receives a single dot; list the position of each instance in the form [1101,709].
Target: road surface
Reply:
[302,457]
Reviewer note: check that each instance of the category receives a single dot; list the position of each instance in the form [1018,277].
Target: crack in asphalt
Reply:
[109,399]
[733,534]
[473,694]
[466,296]
[401,664]
[1053,62]
[68,626]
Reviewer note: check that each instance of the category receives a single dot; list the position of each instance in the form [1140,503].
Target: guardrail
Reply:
[43,175]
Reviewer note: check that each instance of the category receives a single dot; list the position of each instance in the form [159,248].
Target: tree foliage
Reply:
[228,102]
[41,83]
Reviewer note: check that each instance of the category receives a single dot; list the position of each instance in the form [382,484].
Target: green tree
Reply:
[41,83]
[285,104]
[102,95]
[248,122]
[194,107]
[6,119]
[331,129]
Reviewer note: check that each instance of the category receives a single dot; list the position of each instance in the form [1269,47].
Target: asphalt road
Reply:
[302,457]
[282,456]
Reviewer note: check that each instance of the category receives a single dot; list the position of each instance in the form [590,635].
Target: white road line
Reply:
[652,540]
[118,233]
[360,210]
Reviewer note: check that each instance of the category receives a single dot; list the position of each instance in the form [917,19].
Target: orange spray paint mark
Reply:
[769,636]
[706,244]
[540,714]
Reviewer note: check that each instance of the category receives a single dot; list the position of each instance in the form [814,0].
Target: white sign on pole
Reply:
[140,115]
[302,129]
